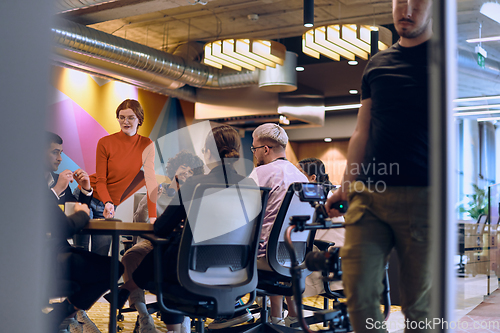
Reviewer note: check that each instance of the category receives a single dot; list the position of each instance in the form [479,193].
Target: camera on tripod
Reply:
[327,261]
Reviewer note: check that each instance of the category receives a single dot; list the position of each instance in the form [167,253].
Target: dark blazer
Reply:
[68,196]
[61,227]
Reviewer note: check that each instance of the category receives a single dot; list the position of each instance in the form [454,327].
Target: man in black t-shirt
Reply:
[386,177]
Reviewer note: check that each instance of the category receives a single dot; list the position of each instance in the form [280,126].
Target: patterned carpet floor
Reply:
[99,314]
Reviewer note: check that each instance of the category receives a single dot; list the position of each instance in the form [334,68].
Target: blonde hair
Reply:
[272,132]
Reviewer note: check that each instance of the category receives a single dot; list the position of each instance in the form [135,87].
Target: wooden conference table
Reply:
[115,229]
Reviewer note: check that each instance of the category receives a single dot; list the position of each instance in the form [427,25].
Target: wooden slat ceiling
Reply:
[165,24]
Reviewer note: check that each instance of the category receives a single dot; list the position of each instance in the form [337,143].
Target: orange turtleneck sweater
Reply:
[119,159]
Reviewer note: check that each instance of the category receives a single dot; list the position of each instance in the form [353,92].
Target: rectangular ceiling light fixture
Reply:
[476,113]
[342,107]
[475,99]
[483,39]
[244,53]
[475,107]
[489,119]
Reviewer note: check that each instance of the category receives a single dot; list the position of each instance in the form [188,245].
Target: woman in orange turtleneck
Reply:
[124,163]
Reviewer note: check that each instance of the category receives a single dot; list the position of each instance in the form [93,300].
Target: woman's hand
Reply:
[109,210]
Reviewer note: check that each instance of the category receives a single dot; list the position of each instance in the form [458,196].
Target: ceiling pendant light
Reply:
[347,40]
[308,13]
[283,78]
[244,53]
[491,10]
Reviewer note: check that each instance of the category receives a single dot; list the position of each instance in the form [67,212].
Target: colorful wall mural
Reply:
[82,110]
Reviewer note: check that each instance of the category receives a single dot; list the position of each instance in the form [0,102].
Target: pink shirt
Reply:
[277,175]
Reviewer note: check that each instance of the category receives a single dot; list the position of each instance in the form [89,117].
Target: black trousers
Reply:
[89,270]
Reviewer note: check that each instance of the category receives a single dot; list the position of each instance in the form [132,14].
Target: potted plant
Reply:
[478,203]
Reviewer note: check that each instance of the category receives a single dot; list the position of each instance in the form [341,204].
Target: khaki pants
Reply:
[375,223]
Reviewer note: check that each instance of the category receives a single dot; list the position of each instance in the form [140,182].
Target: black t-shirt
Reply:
[397,147]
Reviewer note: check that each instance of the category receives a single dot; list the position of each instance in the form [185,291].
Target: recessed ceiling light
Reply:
[353,92]
[299,69]
[328,139]
[352,62]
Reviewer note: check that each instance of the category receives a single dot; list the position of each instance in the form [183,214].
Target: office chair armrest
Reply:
[322,245]
[155,240]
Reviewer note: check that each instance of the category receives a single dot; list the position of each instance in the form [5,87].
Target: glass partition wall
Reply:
[476,112]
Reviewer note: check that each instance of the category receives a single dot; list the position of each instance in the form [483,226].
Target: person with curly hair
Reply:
[179,168]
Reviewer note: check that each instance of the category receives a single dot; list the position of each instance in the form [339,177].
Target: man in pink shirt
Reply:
[276,172]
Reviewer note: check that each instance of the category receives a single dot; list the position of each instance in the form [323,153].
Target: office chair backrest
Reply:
[277,255]
[218,249]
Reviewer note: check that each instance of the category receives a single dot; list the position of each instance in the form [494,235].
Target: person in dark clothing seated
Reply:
[89,271]
[59,183]
[221,150]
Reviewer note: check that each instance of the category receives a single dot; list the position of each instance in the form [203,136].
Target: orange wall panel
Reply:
[333,154]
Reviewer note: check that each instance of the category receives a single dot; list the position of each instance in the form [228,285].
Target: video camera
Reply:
[326,261]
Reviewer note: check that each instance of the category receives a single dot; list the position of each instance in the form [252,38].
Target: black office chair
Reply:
[276,279]
[217,253]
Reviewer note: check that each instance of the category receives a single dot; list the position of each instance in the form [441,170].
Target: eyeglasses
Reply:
[130,119]
[203,150]
[253,149]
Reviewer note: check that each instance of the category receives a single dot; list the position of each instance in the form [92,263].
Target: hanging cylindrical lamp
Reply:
[282,78]
[308,13]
